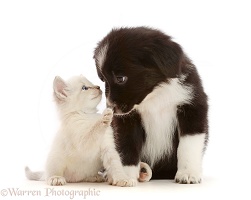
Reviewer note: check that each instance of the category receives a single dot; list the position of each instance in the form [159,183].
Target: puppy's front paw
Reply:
[122,181]
[187,177]
[145,173]
[107,116]
[56,180]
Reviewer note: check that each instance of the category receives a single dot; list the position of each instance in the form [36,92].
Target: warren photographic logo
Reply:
[50,192]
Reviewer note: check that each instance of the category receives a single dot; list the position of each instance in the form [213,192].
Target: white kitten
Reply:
[84,143]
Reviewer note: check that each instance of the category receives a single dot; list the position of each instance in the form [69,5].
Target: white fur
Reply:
[112,163]
[56,180]
[84,143]
[101,56]
[158,111]
[75,154]
[75,99]
[190,152]
[145,176]
[34,175]
[132,171]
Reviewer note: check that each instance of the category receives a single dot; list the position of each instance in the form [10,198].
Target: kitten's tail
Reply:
[37,176]
[145,172]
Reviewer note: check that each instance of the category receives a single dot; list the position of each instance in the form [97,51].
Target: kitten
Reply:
[84,144]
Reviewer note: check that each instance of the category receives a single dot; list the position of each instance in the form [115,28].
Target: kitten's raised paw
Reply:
[107,116]
[122,182]
[145,173]
[56,181]
[187,177]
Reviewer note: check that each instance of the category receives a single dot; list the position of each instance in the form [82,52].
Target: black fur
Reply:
[130,143]
[148,57]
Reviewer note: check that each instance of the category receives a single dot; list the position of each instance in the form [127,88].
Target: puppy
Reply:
[160,107]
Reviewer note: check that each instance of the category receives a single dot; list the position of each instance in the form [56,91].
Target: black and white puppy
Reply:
[159,103]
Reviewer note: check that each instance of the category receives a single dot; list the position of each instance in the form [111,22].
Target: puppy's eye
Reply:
[121,79]
[85,88]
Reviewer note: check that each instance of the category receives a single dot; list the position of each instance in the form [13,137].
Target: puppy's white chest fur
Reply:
[158,112]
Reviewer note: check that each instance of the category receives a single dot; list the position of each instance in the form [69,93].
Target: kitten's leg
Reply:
[99,127]
[54,172]
[107,116]
[56,181]
[145,173]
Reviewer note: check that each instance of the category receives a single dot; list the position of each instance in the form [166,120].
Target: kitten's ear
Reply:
[59,87]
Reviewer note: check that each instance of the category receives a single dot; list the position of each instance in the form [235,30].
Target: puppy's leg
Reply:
[112,163]
[132,171]
[130,136]
[192,142]
[110,157]
[190,153]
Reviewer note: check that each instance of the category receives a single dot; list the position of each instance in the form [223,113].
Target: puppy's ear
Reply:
[168,57]
[59,87]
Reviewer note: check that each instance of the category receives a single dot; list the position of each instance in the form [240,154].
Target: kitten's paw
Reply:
[145,173]
[56,181]
[122,181]
[97,178]
[107,116]
[187,177]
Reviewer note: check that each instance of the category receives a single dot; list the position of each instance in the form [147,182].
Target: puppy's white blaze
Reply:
[190,153]
[158,111]
[102,55]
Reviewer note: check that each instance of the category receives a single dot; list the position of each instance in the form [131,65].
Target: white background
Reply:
[41,39]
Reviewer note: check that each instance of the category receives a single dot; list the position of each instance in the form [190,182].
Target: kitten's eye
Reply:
[85,88]
[121,79]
